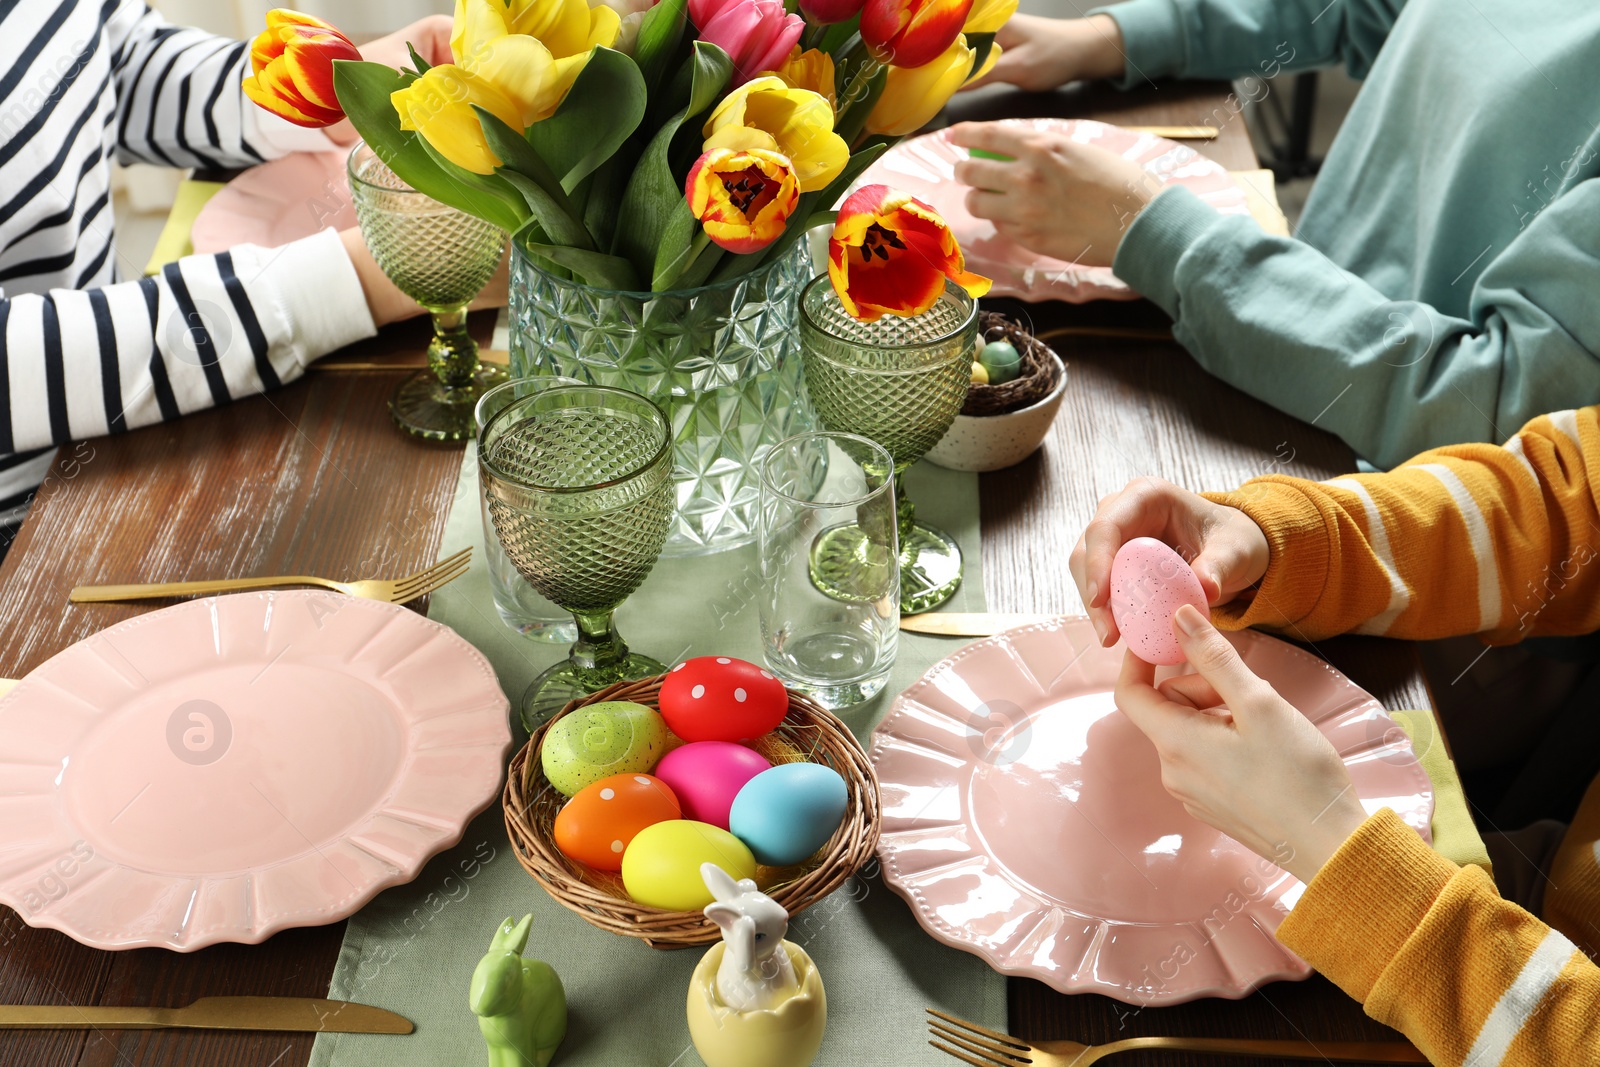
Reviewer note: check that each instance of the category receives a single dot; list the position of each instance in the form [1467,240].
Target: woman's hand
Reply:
[1223,545]
[429,36]
[1238,756]
[1055,197]
[1039,53]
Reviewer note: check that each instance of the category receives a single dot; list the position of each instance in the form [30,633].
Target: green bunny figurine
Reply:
[520,1004]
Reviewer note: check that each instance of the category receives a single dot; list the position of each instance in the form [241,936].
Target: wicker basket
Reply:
[807,733]
[1039,373]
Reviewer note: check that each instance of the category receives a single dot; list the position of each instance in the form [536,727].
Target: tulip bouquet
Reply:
[677,145]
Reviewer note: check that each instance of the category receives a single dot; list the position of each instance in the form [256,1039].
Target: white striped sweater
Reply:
[83,352]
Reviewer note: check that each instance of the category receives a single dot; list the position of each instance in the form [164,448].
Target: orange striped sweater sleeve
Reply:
[1432,950]
[1503,541]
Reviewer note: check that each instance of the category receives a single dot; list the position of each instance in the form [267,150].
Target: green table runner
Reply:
[412,950]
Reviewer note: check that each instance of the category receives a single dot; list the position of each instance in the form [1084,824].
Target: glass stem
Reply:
[452,354]
[905,510]
[599,646]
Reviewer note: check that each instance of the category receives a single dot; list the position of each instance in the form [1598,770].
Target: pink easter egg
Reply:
[1149,582]
[706,776]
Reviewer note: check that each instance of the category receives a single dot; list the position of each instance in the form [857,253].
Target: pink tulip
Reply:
[757,34]
[827,12]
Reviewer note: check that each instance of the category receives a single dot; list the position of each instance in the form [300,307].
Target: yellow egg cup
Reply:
[786,1036]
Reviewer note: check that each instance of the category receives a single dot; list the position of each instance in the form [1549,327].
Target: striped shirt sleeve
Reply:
[206,330]
[1502,541]
[180,101]
[1432,950]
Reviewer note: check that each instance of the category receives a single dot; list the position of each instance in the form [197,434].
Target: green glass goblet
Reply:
[578,484]
[898,382]
[441,258]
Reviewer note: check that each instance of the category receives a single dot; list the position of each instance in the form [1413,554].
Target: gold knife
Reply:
[304,1014]
[968,623]
[1176,133]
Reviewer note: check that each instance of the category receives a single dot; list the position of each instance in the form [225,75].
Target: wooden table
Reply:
[314,479]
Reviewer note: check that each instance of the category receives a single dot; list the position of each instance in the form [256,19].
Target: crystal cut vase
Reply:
[722,361]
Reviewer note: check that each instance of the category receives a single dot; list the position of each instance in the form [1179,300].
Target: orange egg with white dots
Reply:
[595,826]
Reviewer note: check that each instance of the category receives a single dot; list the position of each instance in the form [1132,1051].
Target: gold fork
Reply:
[982,1047]
[396,591]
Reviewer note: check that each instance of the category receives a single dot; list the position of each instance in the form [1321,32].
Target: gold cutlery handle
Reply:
[101,594]
[1327,1051]
[23,1017]
[1179,133]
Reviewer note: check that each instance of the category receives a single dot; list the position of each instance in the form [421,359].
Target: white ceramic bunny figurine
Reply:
[754,975]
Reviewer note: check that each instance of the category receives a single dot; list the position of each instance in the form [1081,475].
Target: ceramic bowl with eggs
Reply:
[1017,386]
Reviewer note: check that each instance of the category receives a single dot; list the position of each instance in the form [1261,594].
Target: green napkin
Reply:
[412,950]
[1455,836]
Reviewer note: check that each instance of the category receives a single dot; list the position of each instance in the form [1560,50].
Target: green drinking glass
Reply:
[898,382]
[441,258]
[577,481]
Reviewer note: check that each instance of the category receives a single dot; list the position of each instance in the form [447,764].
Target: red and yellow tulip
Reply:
[912,96]
[743,198]
[291,64]
[890,254]
[826,12]
[909,33]
[795,123]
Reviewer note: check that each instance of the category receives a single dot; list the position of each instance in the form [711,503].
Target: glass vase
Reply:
[722,361]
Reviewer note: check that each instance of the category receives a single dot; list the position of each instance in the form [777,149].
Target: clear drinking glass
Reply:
[830,570]
[899,382]
[441,258]
[519,604]
[577,480]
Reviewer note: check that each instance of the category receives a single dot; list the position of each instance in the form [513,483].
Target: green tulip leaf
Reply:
[527,171]
[681,240]
[863,95]
[603,108]
[654,195]
[659,36]
[420,65]
[364,90]
[592,268]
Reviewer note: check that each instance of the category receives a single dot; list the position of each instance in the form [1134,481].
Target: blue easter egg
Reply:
[785,814]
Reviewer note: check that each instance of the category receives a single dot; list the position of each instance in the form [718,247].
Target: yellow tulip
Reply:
[987,16]
[811,69]
[798,123]
[505,68]
[911,97]
[438,106]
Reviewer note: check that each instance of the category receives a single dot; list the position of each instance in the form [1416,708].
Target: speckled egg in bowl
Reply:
[991,442]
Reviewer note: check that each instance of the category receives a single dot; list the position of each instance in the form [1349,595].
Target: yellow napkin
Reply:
[1454,835]
[1261,195]
[174,243]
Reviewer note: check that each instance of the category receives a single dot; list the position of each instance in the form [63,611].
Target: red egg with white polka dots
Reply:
[595,826]
[718,698]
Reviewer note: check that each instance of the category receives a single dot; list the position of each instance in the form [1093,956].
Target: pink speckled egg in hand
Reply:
[1149,582]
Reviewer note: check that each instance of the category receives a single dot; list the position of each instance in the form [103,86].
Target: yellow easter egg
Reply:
[661,867]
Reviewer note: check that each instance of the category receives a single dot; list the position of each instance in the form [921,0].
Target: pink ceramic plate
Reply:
[227,768]
[278,202]
[926,166]
[1024,820]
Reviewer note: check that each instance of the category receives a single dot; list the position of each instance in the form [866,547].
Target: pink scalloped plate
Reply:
[277,202]
[1024,819]
[228,768]
[926,168]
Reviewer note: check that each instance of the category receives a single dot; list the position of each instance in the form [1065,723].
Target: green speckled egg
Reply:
[612,737]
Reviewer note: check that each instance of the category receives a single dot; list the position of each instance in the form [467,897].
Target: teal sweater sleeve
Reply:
[1278,319]
[1240,38]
